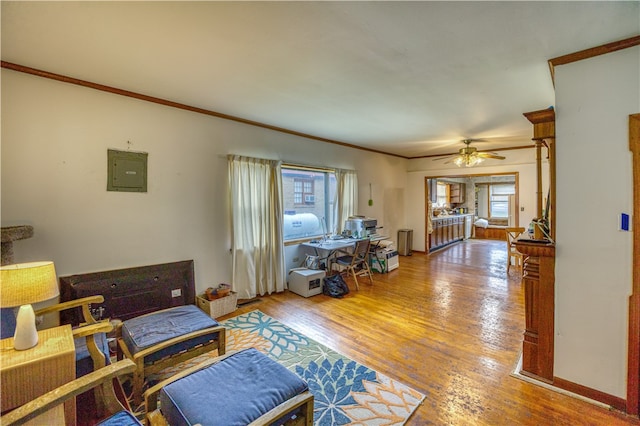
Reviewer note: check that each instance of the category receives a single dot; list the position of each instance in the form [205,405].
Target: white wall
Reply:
[521,161]
[55,138]
[594,98]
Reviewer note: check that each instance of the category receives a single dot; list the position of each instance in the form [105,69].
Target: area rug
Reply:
[345,392]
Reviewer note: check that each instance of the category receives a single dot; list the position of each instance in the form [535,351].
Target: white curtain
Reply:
[256,214]
[346,203]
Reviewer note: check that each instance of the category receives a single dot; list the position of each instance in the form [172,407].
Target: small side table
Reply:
[25,375]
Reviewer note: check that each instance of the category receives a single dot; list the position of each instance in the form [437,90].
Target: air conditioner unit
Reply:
[309,198]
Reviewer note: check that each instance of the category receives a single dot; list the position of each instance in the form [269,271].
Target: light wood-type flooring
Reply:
[447,324]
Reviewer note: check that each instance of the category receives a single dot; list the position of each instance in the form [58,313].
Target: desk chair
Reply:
[47,409]
[359,259]
[512,236]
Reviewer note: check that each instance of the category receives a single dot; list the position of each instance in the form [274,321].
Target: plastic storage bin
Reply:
[306,282]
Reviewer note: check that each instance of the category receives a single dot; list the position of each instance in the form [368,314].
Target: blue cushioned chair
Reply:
[165,338]
[240,388]
[50,404]
[90,340]
[92,349]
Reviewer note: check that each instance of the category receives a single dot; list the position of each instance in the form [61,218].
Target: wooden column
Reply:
[538,279]
[544,134]
[538,275]
[539,143]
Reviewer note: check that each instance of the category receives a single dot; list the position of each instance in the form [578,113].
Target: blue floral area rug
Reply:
[345,392]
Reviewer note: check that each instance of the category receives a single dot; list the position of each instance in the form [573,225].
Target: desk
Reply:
[325,250]
[25,375]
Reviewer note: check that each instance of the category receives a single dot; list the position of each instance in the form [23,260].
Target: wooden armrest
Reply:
[162,345]
[104,377]
[91,329]
[83,302]
[282,409]
[150,396]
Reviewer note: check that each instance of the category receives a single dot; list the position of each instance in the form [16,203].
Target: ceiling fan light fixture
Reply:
[468,160]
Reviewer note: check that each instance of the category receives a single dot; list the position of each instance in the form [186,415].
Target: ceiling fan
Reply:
[469,156]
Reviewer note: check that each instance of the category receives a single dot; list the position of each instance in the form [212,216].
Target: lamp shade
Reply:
[26,283]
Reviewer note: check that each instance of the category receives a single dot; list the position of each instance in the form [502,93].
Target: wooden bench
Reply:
[495,231]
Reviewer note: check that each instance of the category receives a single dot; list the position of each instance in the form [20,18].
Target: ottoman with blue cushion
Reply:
[164,338]
[121,418]
[243,388]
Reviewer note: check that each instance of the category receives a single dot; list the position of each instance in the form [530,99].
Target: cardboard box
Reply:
[219,307]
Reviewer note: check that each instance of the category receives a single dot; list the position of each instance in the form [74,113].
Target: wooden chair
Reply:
[92,350]
[358,259]
[292,404]
[47,409]
[88,330]
[512,236]
[167,344]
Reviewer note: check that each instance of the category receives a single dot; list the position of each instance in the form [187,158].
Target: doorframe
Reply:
[633,358]
[427,198]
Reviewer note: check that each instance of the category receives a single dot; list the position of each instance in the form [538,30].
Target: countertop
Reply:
[450,216]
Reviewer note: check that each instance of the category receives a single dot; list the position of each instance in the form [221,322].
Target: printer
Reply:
[360,226]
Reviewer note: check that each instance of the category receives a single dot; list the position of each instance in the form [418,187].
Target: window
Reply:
[499,206]
[308,196]
[499,200]
[442,196]
[303,191]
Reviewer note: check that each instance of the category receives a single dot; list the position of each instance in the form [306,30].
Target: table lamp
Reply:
[20,285]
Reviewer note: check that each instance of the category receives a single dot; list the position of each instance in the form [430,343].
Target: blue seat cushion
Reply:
[148,330]
[121,418]
[8,322]
[84,363]
[235,391]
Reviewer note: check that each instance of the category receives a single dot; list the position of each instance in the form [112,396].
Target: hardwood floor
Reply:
[450,326]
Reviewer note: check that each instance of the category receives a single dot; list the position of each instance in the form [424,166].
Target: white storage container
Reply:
[385,260]
[306,282]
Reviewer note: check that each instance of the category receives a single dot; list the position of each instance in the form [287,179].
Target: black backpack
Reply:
[334,286]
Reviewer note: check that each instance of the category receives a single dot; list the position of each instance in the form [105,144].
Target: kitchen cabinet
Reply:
[456,193]
[447,230]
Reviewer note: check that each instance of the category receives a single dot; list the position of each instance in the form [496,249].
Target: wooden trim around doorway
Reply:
[633,357]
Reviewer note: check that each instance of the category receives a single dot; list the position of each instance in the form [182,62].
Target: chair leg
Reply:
[355,278]
[138,382]
[366,265]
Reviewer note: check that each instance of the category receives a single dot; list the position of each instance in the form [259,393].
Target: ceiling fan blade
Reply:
[490,155]
[442,158]
[451,160]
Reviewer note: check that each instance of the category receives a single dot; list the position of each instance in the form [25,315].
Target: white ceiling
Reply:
[407,78]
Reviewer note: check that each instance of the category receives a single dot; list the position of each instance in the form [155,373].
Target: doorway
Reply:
[477,195]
